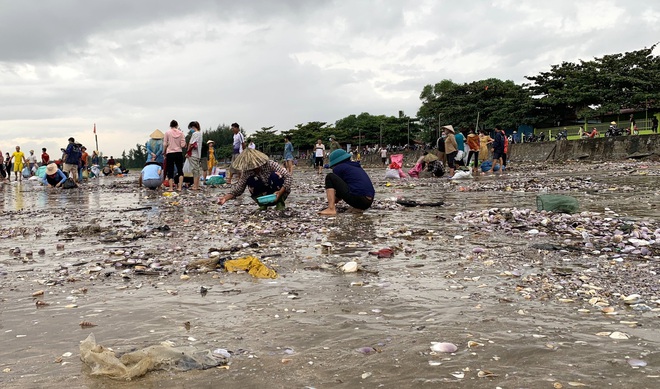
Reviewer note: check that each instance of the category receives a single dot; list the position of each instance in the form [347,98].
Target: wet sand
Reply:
[521,316]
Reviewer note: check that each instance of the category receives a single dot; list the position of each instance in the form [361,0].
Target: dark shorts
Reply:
[318,162]
[451,162]
[497,154]
[384,159]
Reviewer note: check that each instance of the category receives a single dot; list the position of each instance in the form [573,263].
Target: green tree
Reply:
[494,101]
[602,85]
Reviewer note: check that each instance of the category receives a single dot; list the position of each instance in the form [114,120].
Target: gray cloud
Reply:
[131,66]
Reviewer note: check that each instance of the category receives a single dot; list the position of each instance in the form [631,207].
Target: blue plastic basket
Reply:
[267,199]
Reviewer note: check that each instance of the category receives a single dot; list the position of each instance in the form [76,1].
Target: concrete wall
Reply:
[601,149]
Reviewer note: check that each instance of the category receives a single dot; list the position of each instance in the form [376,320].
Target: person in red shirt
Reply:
[593,133]
[506,149]
[45,158]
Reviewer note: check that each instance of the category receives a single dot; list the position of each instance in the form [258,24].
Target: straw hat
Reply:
[157,134]
[613,123]
[450,128]
[51,168]
[249,159]
[210,141]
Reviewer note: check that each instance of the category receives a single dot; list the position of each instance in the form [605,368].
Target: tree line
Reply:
[563,95]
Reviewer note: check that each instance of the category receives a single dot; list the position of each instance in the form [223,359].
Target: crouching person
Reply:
[348,182]
[151,176]
[261,176]
[54,177]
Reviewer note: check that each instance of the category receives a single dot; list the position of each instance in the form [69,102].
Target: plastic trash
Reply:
[104,362]
[557,203]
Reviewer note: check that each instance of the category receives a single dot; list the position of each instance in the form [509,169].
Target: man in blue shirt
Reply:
[151,175]
[348,182]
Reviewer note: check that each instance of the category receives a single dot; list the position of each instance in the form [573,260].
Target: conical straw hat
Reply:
[249,159]
[157,134]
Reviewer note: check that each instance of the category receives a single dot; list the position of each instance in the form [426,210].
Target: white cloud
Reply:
[132,66]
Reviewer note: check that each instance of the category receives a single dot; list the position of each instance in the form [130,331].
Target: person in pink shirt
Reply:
[173,143]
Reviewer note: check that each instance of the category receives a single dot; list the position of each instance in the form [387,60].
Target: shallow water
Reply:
[433,289]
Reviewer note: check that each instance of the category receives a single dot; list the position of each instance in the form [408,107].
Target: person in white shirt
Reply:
[194,153]
[238,146]
[319,153]
[383,155]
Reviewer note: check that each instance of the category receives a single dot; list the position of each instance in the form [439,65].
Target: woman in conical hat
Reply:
[155,147]
[261,176]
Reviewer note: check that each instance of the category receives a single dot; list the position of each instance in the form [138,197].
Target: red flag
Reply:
[95,128]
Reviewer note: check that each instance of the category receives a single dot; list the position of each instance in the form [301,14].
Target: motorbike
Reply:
[562,135]
[613,131]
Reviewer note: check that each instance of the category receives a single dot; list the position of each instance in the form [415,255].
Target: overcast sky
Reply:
[131,66]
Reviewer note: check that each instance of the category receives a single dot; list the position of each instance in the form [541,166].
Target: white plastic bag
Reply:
[459,155]
[392,174]
[462,175]
[187,169]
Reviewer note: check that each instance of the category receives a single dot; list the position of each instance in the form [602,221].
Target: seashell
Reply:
[619,335]
[478,250]
[350,267]
[632,299]
[443,347]
[485,373]
[86,324]
[41,252]
[60,246]
[636,362]
[41,303]
[366,350]
[214,254]
[38,293]
[638,242]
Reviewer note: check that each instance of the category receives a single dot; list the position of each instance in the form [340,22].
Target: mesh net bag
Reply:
[557,203]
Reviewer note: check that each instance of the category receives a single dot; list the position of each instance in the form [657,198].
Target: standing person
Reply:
[348,182]
[319,153]
[8,166]
[498,148]
[506,150]
[334,145]
[18,158]
[237,147]
[654,124]
[154,147]
[484,141]
[3,172]
[261,176]
[83,163]
[474,145]
[251,145]
[95,158]
[460,145]
[45,158]
[194,153]
[383,155]
[451,148]
[288,155]
[32,161]
[173,144]
[72,159]
[440,145]
[211,159]
[632,123]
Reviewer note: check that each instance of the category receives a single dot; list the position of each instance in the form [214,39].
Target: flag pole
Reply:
[96,137]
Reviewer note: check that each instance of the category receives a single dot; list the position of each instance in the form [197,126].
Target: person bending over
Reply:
[348,182]
[261,176]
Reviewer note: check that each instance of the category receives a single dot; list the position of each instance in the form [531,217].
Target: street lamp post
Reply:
[408,132]
[381,135]
[359,139]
